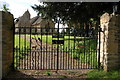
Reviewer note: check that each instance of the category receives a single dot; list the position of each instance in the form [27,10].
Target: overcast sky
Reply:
[18,7]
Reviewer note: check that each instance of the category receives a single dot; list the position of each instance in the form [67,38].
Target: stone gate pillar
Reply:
[7,25]
[110,41]
[0,45]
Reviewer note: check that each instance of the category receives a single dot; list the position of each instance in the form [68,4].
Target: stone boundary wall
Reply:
[0,45]
[7,42]
[110,41]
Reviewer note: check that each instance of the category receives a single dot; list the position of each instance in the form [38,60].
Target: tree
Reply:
[74,13]
[39,9]
[5,8]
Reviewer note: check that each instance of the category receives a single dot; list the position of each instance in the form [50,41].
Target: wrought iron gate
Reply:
[56,48]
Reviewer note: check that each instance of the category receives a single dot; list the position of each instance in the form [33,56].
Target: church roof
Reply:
[38,21]
[33,19]
[25,18]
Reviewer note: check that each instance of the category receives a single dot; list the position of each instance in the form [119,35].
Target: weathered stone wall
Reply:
[110,41]
[0,45]
[7,42]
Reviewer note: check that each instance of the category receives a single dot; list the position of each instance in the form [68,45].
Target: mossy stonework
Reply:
[7,42]
[110,41]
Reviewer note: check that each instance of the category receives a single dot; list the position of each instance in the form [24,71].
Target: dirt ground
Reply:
[48,74]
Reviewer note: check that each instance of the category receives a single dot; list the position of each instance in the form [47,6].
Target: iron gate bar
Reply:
[74,48]
[21,60]
[30,48]
[46,49]
[68,49]
[27,57]
[84,52]
[43,57]
[41,47]
[63,51]
[100,30]
[96,52]
[35,59]
[89,53]
[25,47]
[19,47]
[14,55]
[58,47]
[52,52]
[49,58]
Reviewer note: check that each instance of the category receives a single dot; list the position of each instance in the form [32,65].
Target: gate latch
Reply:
[56,39]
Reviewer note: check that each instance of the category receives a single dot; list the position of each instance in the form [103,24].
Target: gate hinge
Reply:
[100,30]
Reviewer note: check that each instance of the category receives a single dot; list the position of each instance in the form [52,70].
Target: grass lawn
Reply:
[20,45]
[20,42]
[101,75]
[45,38]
